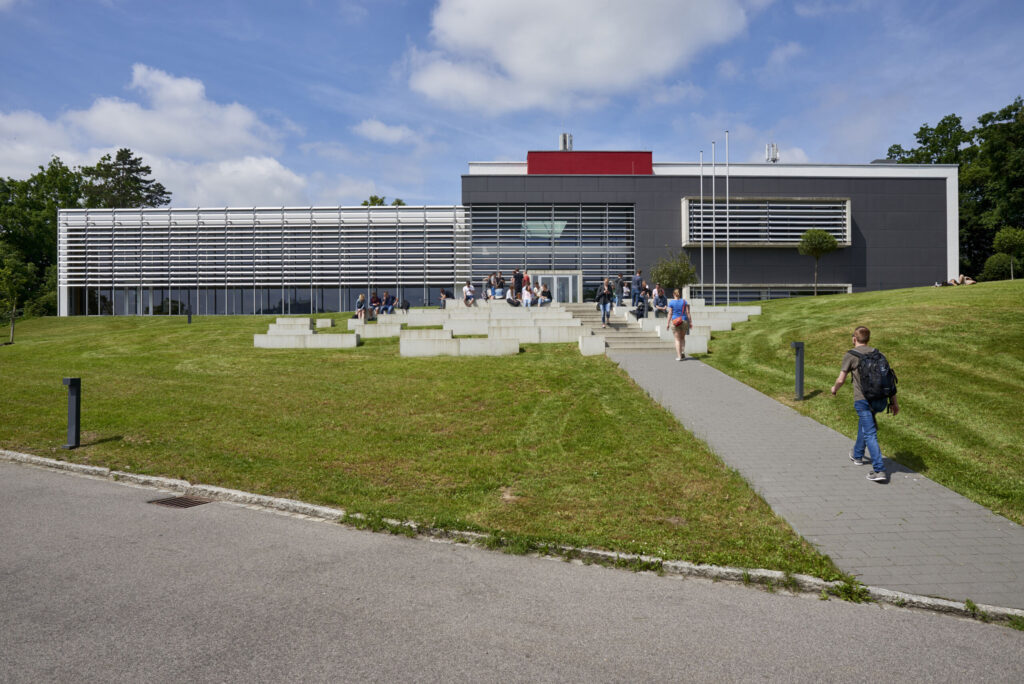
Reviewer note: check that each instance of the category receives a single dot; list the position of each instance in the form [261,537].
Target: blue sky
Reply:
[304,102]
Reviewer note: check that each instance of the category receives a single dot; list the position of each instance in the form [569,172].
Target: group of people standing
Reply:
[643,299]
[521,291]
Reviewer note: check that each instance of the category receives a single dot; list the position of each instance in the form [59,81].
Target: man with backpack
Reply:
[874,390]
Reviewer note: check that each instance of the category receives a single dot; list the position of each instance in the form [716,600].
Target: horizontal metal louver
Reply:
[760,222]
[258,247]
[596,238]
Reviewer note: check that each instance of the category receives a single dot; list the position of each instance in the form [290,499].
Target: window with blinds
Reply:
[762,222]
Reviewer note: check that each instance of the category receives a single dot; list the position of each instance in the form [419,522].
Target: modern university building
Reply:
[569,217]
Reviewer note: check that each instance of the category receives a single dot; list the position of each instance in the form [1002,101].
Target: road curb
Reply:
[768,578]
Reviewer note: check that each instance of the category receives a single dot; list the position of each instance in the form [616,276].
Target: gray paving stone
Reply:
[911,534]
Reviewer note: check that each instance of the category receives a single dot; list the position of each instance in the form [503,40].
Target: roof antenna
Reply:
[565,142]
[771,153]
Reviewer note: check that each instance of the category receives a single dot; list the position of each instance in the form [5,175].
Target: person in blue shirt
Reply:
[387,304]
[679,322]
[635,287]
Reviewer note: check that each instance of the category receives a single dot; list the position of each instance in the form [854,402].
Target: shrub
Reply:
[997,267]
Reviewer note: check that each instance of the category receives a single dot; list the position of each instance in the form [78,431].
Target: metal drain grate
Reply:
[180,501]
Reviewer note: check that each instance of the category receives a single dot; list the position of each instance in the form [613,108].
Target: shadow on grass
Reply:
[115,438]
[905,462]
[811,395]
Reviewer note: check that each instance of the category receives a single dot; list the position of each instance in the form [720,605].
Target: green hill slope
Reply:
[959,354]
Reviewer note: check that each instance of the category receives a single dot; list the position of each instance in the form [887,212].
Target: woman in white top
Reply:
[468,294]
[527,296]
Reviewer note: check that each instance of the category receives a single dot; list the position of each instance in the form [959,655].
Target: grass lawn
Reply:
[547,445]
[959,355]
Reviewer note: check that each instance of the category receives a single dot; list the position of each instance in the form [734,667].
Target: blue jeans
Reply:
[606,312]
[867,433]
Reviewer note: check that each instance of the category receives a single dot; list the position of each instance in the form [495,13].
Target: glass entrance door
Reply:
[564,288]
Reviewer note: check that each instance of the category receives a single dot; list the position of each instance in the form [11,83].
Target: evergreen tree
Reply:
[122,182]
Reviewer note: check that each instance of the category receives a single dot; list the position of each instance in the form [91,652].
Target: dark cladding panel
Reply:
[898,226]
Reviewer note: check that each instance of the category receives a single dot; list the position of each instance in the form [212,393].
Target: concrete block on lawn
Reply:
[665,332]
[425,334]
[591,345]
[553,334]
[748,309]
[412,348]
[696,344]
[294,321]
[469,326]
[488,346]
[715,322]
[349,341]
[525,334]
[275,329]
[379,330]
[422,320]
[280,341]
[324,323]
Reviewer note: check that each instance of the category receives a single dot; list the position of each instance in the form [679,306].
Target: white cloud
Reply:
[346,191]
[506,55]
[249,181]
[204,152]
[782,55]
[180,120]
[7,4]
[374,130]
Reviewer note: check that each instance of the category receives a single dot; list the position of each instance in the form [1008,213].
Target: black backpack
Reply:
[877,378]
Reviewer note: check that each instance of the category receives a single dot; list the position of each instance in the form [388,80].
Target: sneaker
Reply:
[878,476]
[857,460]
[679,358]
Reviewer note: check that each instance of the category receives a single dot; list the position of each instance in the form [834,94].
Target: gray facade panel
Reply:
[898,230]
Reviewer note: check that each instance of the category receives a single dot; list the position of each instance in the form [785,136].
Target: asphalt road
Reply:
[98,585]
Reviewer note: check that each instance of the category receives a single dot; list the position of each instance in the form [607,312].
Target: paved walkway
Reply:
[908,535]
[100,586]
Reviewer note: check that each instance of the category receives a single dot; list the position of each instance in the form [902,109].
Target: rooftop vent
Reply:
[771,153]
[565,142]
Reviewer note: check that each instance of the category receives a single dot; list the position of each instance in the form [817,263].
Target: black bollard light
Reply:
[189,311]
[799,347]
[74,412]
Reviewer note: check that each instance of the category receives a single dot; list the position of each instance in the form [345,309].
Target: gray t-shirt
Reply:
[850,365]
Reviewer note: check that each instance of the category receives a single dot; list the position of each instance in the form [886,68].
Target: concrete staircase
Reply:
[623,331]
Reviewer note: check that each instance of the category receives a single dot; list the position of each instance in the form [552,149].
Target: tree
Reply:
[674,271]
[947,143]
[998,267]
[1005,263]
[991,159]
[380,201]
[817,243]
[28,210]
[122,182]
[1010,241]
[15,278]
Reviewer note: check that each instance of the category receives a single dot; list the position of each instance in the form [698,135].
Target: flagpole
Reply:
[702,293]
[728,238]
[714,228]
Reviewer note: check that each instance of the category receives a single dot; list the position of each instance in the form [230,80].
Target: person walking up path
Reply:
[911,534]
[679,322]
[867,426]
